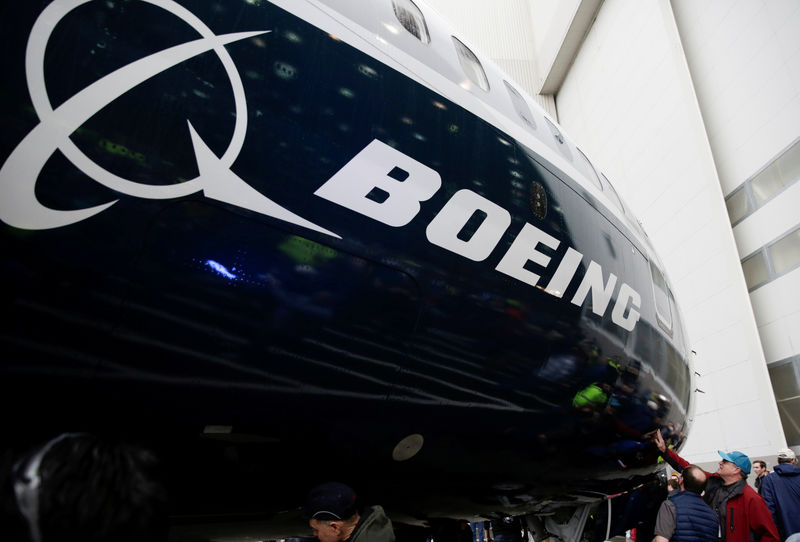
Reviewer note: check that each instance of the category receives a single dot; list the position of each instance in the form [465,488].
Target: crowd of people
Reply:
[722,506]
[78,487]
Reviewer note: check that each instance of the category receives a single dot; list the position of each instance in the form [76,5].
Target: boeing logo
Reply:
[405,182]
[19,206]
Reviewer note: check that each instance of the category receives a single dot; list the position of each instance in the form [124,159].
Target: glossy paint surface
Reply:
[313,355]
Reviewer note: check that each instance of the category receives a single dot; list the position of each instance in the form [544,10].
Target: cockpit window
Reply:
[412,19]
[661,293]
[588,169]
[471,65]
[521,106]
[561,143]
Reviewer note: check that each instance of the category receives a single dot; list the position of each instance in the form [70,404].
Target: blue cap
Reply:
[737,458]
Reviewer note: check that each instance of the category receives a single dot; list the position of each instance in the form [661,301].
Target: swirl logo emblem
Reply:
[19,206]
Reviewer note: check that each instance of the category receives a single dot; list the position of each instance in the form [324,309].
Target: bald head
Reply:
[694,479]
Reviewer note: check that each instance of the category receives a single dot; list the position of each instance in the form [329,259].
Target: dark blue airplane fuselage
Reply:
[259,356]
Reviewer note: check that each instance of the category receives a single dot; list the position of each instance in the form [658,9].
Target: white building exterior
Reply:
[682,104]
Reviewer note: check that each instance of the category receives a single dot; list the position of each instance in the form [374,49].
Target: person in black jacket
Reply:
[684,516]
[760,470]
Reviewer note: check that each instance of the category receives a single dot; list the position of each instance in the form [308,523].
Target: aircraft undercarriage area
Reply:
[588,521]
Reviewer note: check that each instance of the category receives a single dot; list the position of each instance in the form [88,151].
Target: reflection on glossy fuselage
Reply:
[486,320]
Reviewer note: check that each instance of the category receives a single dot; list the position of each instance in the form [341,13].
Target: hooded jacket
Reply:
[745,511]
[373,526]
[781,492]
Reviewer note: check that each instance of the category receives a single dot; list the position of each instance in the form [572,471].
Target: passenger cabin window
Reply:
[638,225]
[471,65]
[412,19]
[561,144]
[612,194]
[588,169]
[661,293]
[520,106]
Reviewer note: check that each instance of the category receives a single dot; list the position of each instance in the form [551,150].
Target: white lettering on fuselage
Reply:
[444,228]
[380,182]
[352,184]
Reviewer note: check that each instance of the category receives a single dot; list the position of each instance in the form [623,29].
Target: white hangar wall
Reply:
[743,56]
[624,92]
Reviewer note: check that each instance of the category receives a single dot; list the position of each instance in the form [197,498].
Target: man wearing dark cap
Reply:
[741,511]
[334,516]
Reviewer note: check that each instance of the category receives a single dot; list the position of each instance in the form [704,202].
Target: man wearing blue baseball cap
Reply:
[740,510]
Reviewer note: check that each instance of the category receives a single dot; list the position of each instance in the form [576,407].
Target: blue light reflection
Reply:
[221,269]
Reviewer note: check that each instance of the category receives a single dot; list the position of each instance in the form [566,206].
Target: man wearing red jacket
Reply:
[741,511]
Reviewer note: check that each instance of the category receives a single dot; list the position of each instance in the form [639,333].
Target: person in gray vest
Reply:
[685,516]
